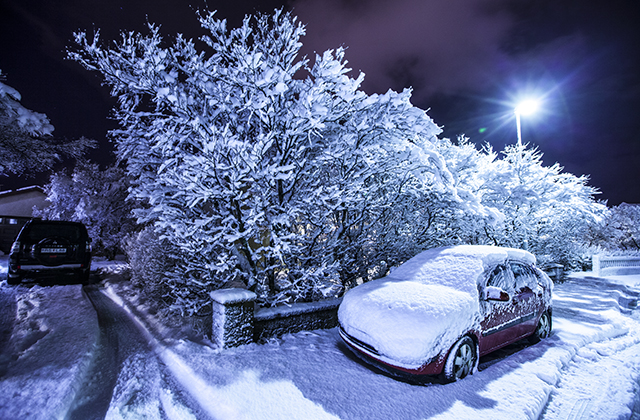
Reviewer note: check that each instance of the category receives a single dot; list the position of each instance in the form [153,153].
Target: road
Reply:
[124,379]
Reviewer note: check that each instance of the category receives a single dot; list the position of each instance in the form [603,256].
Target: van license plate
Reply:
[53,250]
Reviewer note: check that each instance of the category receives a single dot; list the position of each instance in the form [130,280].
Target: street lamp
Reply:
[527,107]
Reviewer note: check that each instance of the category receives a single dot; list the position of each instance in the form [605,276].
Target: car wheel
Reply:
[543,329]
[461,360]
[13,280]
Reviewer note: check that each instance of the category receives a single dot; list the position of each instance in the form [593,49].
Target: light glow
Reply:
[528,107]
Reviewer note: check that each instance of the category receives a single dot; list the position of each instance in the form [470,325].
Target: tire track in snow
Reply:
[173,390]
[578,396]
[613,358]
[126,380]
[92,402]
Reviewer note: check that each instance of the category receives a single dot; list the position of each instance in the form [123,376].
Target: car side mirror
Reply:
[496,294]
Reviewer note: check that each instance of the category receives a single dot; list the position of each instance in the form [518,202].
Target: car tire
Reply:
[461,361]
[543,329]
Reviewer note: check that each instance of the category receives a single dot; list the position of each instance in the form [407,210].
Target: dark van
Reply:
[52,249]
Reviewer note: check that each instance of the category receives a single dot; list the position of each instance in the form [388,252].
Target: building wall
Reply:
[21,202]
[16,207]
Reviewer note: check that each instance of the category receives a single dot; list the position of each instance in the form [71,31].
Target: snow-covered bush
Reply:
[256,167]
[511,199]
[97,198]
[26,141]
[619,230]
[150,257]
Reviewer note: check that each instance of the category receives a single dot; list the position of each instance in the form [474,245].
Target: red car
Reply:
[443,309]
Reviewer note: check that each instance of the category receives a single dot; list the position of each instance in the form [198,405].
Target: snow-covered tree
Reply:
[510,199]
[257,167]
[619,229]
[26,141]
[545,210]
[420,219]
[97,198]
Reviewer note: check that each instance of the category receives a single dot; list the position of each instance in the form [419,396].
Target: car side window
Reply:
[501,277]
[524,276]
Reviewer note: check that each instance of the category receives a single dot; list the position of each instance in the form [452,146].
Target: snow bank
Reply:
[51,347]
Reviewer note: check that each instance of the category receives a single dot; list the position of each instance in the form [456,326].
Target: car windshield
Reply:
[38,232]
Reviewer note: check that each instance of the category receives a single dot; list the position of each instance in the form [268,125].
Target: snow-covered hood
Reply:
[406,321]
[423,306]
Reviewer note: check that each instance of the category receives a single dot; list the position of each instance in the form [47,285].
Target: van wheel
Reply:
[14,280]
[461,361]
[83,276]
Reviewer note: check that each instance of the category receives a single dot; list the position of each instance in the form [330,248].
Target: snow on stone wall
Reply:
[235,321]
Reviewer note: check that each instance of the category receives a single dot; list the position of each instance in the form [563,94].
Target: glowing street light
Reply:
[527,107]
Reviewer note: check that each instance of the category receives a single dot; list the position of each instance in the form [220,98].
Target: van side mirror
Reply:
[495,294]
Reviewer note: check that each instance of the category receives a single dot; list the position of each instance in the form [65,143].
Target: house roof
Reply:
[23,190]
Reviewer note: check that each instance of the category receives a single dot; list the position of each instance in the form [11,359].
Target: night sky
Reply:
[468,62]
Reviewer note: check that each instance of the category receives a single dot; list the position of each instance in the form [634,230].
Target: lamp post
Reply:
[527,107]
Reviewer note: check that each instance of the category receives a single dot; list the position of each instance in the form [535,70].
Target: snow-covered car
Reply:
[50,248]
[441,310]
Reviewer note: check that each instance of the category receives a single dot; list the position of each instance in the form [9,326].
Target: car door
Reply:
[528,300]
[499,325]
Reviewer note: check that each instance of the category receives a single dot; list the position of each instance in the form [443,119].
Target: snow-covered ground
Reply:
[47,351]
[588,368]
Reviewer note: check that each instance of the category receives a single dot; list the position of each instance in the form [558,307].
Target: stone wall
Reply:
[236,320]
[274,322]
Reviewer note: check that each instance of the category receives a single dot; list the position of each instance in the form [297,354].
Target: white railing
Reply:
[615,266]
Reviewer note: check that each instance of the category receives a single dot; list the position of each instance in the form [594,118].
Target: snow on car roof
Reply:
[459,266]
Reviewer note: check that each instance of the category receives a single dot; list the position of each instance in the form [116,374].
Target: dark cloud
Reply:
[433,46]
[469,61]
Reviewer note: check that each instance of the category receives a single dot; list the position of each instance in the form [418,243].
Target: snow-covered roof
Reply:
[22,190]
